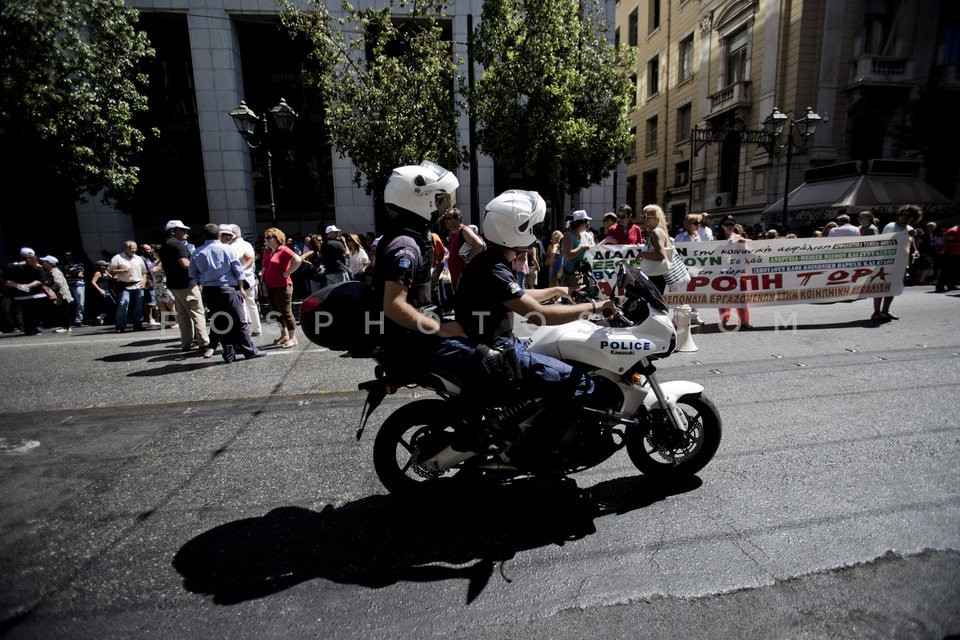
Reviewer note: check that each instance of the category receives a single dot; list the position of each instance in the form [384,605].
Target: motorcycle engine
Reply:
[596,435]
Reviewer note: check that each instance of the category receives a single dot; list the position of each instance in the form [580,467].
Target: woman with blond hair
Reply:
[554,259]
[358,261]
[654,224]
[279,261]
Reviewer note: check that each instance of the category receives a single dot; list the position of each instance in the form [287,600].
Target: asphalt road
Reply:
[148,493]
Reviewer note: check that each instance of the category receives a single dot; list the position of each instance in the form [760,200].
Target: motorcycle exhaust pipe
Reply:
[448,457]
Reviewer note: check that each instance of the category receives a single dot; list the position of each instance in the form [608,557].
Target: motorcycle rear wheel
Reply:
[663,454]
[410,434]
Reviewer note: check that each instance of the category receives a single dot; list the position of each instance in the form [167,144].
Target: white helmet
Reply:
[421,189]
[513,218]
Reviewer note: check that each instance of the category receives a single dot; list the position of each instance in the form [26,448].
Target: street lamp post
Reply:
[805,128]
[247,123]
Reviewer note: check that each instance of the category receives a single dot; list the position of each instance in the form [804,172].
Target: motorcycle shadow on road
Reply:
[380,540]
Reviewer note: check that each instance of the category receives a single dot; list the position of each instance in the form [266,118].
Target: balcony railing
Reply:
[950,76]
[872,69]
[736,95]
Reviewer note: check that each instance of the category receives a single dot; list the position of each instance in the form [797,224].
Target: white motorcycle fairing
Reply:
[636,396]
[614,349]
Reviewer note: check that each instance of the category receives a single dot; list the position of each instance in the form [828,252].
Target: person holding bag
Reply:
[658,253]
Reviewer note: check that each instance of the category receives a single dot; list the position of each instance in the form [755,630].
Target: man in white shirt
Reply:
[706,233]
[844,229]
[230,234]
[131,271]
[905,215]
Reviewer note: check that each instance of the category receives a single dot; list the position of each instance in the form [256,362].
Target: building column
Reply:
[831,70]
[215,50]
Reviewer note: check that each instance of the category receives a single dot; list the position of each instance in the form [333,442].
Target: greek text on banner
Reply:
[772,272]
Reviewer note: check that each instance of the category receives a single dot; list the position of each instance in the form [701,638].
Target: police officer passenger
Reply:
[415,196]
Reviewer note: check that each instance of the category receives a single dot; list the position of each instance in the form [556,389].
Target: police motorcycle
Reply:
[670,430]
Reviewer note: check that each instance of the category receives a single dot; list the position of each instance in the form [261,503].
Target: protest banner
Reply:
[774,272]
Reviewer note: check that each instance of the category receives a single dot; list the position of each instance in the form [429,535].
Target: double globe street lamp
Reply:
[256,133]
[799,132]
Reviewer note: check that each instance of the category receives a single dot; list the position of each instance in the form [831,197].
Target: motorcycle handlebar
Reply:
[616,316]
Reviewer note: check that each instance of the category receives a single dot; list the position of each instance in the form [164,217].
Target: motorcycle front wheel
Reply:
[407,439]
[663,452]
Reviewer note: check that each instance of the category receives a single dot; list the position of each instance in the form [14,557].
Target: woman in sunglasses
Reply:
[653,221]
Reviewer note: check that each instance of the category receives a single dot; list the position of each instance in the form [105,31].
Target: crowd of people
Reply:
[149,286]
[153,286]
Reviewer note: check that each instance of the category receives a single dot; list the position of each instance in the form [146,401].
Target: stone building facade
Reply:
[867,67]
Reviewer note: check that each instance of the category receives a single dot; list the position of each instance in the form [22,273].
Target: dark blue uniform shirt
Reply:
[487,283]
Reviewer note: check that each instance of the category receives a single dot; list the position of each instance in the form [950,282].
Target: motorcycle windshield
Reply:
[638,285]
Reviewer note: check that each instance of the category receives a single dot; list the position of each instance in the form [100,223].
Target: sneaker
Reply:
[60,330]
[153,323]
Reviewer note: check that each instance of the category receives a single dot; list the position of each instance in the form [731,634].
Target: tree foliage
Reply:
[69,89]
[553,99]
[389,83]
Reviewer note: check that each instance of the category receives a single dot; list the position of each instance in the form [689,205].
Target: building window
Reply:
[616,38]
[876,26]
[949,51]
[652,135]
[649,188]
[654,22]
[653,77]
[682,174]
[633,25]
[686,58]
[633,97]
[737,57]
[684,118]
[631,151]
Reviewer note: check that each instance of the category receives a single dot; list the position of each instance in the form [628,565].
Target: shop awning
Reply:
[859,190]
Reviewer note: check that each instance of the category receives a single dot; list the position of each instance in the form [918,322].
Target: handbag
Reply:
[657,267]
[678,272]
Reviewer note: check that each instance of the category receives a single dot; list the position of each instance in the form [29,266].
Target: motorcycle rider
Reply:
[488,296]
[416,196]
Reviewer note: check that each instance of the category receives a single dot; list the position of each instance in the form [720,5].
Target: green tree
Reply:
[69,90]
[389,83]
[553,100]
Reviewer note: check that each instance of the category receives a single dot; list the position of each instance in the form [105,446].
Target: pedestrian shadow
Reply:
[380,540]
[170,369]
[179,356]
[849,324]
[130,356]
[154,342]
[860,322]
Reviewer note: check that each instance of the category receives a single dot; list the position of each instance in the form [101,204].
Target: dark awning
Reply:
[864,190]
